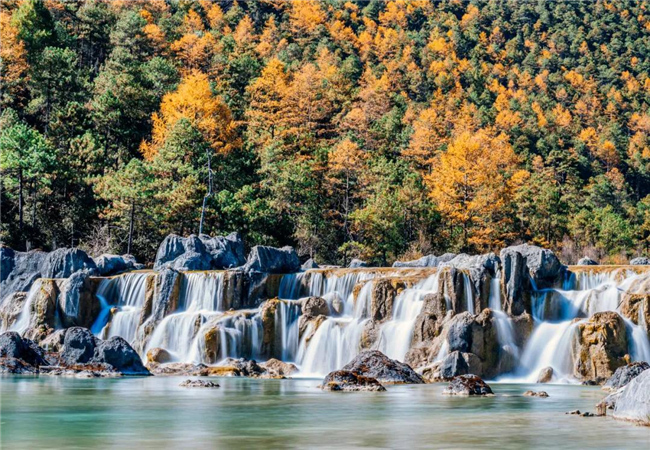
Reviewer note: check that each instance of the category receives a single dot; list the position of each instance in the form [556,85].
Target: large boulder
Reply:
[78,306]
[586,261]
[625,374]
[345,380]
[272,260]
[78,346]
[640,261]
[63,262]
[113,264]
[19,270]
[315,306]
[309,264]
[374,364]
[357,263]
[467,385]
[634,402]
[14,347]
[426,261]
[226,251]
[200,252]
[600,346]
[117,353]
[453,365]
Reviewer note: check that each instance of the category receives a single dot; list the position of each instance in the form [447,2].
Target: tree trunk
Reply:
[21,223]
[209,193]
[128,247]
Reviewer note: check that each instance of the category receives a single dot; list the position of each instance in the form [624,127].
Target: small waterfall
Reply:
[505,330]
[469,293]
[638,336]
[126,293]
[396,334]
[24,319]
[286,316]
[291,285]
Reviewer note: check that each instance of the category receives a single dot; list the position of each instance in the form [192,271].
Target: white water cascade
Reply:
[24,318]
[505,330]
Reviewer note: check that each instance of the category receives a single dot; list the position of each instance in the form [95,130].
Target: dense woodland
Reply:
[379,130]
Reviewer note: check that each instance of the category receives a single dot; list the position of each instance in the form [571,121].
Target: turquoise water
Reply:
[154,412]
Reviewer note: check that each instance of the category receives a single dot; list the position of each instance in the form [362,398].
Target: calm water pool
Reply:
[48,412]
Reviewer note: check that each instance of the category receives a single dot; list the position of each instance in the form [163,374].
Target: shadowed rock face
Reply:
[586,261]
[345,380]
[375,364]
[12,346]
[272,260]
[600,347]
[640,261]
[200,252]
[467,385]
[113,264]
[426,261]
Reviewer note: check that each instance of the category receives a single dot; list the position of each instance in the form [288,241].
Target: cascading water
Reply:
[24,318]
[505,330]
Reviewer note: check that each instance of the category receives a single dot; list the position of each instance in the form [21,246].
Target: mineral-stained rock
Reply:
[384,292]
[10,309]
[315,306]
[625,374]
[42,310]
[634,402]
[246,367]
[158,355]
[345,380]
[198,384]
[545,375]
[426,261]
[640,261]
[78,305]
[272,260]
[177,369]
[600,346]
[467,385]
[357,263]
[375,364]
[308,325]
[543,394]
[636,303]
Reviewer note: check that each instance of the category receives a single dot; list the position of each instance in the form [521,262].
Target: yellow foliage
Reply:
[306,16]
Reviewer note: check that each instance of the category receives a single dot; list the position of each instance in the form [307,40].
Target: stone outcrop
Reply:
[466,385]
[374,364]
[640,261]
[274,368]
[13,347]
[309,264]
[634,402]
[357,263]
[315,306]
[10,308]
[426,261]
[272,260]
[545,375]
[200,252]
[345,380]
[77,303]
[625,374]
[586,261]
[113,264]
[600,346]
[158,355]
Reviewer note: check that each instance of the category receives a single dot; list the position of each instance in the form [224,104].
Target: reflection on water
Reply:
[44,412]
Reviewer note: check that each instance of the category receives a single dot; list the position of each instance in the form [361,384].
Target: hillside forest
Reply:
[370,129]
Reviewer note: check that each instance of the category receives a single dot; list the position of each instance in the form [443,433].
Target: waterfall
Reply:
[505,330]
[24,318]
[469,293]
[286,315]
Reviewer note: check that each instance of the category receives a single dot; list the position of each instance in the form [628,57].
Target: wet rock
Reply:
[10,309]
[586,261]
[14,346]
[277,369]
[453,365]
[272,260]
[246,367]
[54,341]
[543,394]
[640,261]
[384,292]
[78,305]
[480,269]
[119,354]
[308,325]
[345,380]
[375,364]
[177,369]
[625,374]
[600,346]
[545,375]
[467,385]
[16,367]
[357,263]
[198,384]
[315,306]
[271,341]
[309,264]
[113,264]
[636,303]
[19,270]
[575,412]
[634,402]
[426,261]
[78,346]
[166,293]
[158,355]
[609,402]
[337,305]
[42,310]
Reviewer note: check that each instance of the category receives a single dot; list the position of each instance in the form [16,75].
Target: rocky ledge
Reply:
[345,380]
[467,385]
[375,364]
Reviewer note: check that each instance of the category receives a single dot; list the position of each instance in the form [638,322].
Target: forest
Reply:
[370,129]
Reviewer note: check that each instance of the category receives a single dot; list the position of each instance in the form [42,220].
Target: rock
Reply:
[609,402]
[10,308]
[19,270]
[344,380]
[315,306]
[113,264]
[42,308]
[587,414]
[545,375]
[640,261]
[78,305]
[246,367]
[13,346]
[586,261]
[535,394]
[375,364]
[276,368]
[78,346]
[383,294]
[63,262]
[426,261]
[17,367]
[600,346]
[467,385]
[453,365]
[337,305]
[634,402]
[309,264]
[54,342]
[166,294]
[158,355]
[198,384]
[357,263]
[272,260]
[181,253]
[226,251]
[119,354]
[177,369]
[574,412]
[625,374]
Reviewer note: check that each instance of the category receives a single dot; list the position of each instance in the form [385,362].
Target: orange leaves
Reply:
[194,101]
[195,51]
[14,67]
[306,15]
[346,157]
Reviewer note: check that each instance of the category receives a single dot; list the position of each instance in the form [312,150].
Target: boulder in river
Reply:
[374,364]
[13,346]
[542,394]
[625,374]
[198,384]
[545,375]
[315,306]
[272,260]
[345,380]
[158,355]
[600,346]
[634,402]
[119,354]
[467,385]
